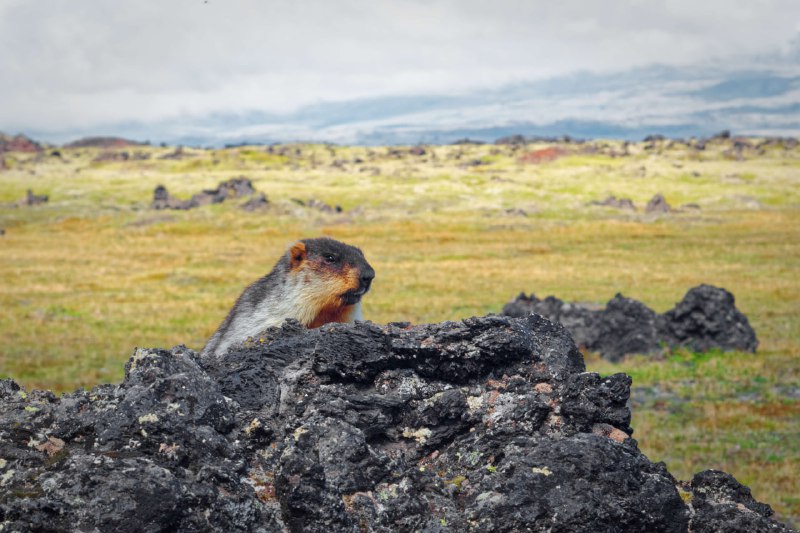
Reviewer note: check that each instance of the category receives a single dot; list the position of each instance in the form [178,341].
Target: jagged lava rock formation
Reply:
[489,424]
[706,318]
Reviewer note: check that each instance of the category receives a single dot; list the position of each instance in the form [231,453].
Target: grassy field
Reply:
[454,232]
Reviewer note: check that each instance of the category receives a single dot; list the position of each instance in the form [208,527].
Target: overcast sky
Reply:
[69,64]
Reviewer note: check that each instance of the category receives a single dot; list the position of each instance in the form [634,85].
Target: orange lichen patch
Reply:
[539,368]
[497,384]
[543,156]
[609,431]
[492,397]
[263,483]
[51,446]
[351,501]
[544,388]
[266,493]
[169,450]
[555,421]
[429,460]
[347,500]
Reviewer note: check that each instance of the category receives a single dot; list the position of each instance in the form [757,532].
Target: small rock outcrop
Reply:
[617,203]
[706,318]
[177,154]
[319,205]
[657,204]
[259,202]
[489,424]
[33,199]
[233,188]
[162,199]
[111,156]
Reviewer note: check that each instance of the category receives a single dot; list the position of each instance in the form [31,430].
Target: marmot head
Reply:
[337,272]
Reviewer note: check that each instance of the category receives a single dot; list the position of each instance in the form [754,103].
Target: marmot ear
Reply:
[297,254]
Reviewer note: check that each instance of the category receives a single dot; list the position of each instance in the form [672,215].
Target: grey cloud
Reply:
[68,63]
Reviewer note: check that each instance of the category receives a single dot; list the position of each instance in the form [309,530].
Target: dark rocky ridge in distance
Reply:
[705,319]
[103,142]
[489,424]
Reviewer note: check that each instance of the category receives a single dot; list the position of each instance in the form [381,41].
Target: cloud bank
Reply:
[77,66]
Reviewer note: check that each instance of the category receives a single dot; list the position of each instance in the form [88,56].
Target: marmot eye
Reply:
[330,258]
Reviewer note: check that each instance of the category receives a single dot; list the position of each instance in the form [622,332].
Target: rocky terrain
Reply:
[489,424]
[705,318]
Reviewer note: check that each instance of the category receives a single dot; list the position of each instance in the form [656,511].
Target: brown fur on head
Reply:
[330,279]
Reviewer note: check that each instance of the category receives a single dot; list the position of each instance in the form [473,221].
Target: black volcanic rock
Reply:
[657,204]
[626,326]
[724,504]
[488,424]
[232,188]
[618,203]
[258,202]
[162,199]
[33,199]
[706,318]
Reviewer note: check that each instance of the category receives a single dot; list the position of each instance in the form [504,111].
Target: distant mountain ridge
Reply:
[668,100]
[102,142]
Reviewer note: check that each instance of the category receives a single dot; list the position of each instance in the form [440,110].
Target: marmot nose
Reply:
[367,275]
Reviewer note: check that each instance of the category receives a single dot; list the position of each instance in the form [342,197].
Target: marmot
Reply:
[317,281]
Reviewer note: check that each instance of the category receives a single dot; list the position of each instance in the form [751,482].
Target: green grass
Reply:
[94,273]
